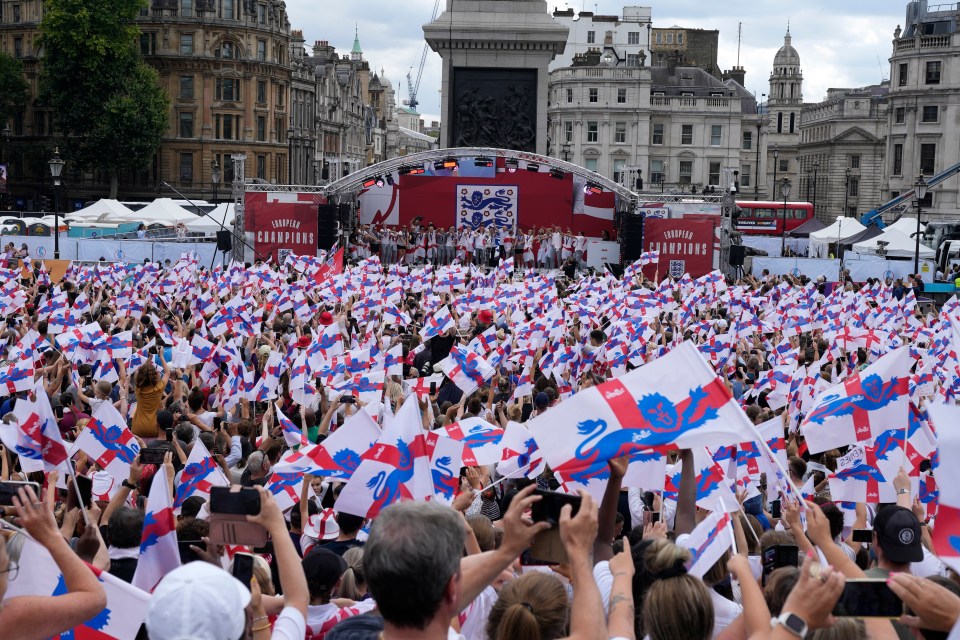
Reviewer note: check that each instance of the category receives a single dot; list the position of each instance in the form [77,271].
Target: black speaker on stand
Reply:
[738,253]
[631,238]
[224,245]
[327,225]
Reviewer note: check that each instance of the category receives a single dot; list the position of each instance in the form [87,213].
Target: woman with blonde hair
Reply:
[149,387]
[532,607]
[353,584]
[677,606]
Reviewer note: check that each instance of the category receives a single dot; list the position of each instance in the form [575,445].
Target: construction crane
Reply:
[876,216]
[414,87]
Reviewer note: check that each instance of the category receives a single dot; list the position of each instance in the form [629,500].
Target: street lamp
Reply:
[56,169]
[846,190]
[566,151]
[756,182]
[776,158]
[215,178]
[6,138]
[290,155]
[663,175]
[816,168]
[920,188]
[315,164]
[784,193]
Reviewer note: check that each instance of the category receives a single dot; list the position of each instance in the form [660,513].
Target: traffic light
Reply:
[44,203]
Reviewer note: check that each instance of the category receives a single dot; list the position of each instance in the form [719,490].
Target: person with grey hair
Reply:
[415,567]
[257,471]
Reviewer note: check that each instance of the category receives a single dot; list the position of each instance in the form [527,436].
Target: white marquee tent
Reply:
[898,245]
[841,229]
[104,210]
[162,211]
[208,224]
[907,226]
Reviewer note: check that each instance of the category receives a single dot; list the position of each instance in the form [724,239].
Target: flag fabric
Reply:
[708,542]
[446,456]
[946,530]
[285,488]
[16,376]
[159,553]
[521,455]
[108,442]
[291,434]
[339,455]
[466,369]
[396,468]
[437,323]
[37,437]
[855,479]
[120,619]
[199,475]
[677,401]
[863,406]
[483,438]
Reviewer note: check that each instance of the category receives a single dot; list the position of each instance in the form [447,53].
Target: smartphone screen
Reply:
[527,560]
[547,509]
[10,488]
[347,400]
[152,456]
[779,555]
[186,553]
[433,388]
[775,508]
[243,568]
[863,535]
[868,599]
[85,485]
[246,501]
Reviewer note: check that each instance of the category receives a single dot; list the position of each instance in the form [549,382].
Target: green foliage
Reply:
[109,107]
[13,88]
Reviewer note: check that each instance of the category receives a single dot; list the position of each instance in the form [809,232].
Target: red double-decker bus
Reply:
[769,218]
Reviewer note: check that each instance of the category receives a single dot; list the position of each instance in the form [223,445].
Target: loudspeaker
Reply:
[738,253]
[327,227]
[327,213]
[224,241]
[631,237]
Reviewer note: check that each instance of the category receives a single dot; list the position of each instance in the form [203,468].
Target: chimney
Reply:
[737,73]
[672,62]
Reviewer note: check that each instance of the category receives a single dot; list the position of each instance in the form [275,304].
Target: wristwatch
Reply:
[792,623]
[900,492]
[128,485]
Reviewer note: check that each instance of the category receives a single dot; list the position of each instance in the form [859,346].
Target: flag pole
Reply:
[733,536]
[76,488]
[773,458]
[506,477]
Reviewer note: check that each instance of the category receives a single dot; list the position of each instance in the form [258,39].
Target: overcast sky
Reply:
[843,43]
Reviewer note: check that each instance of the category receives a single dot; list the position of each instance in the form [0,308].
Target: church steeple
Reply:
[357,52]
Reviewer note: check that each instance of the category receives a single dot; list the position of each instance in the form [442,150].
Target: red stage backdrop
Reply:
[685,246]
[541,201]
[282,223]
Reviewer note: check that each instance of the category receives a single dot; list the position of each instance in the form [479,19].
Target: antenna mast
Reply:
[739,38]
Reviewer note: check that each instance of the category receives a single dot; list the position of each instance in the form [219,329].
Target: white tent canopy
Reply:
[103,210]
[162,211]
[907,226]
[898,245]
[841,229]
[209,223]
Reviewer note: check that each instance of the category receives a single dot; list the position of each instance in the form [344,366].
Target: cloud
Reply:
[841,51]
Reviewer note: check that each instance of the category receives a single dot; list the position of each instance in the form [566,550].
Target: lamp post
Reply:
[756,181]
[920,188]
[315,164]
[290,155]
[565,147]
[5,139]
[784,193]
[663,175]
[776,158]
[816,168]
[846,190]
[56,169]
[215,178]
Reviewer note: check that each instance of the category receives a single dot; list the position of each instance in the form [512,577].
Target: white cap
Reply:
[197,601]
[322,526]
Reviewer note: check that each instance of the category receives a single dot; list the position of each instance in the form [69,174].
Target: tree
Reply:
[13,88]
[108,105]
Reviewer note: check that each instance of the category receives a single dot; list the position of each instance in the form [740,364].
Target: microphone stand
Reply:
[237,237]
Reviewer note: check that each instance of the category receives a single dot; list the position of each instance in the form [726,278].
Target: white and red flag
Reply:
[861,407]
[159,553]
[107,441]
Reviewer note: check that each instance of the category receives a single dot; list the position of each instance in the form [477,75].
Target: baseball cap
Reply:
[197,601]
[541,399]
[323,568]
[898,534]
[485,316]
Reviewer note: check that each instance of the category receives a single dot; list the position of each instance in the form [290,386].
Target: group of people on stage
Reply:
[420,243]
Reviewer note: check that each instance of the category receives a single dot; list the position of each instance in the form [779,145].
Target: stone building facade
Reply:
[690,47]
[626,37]
[842,151]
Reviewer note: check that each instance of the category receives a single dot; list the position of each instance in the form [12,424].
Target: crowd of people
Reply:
[258,375]
[424,243]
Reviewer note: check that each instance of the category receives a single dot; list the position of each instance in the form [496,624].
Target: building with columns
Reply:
[842,152]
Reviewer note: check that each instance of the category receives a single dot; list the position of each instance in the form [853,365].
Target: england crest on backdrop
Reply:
[482,206]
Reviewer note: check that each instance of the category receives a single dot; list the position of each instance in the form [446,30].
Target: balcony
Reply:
[922,42]
[689,102]
[595,73]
